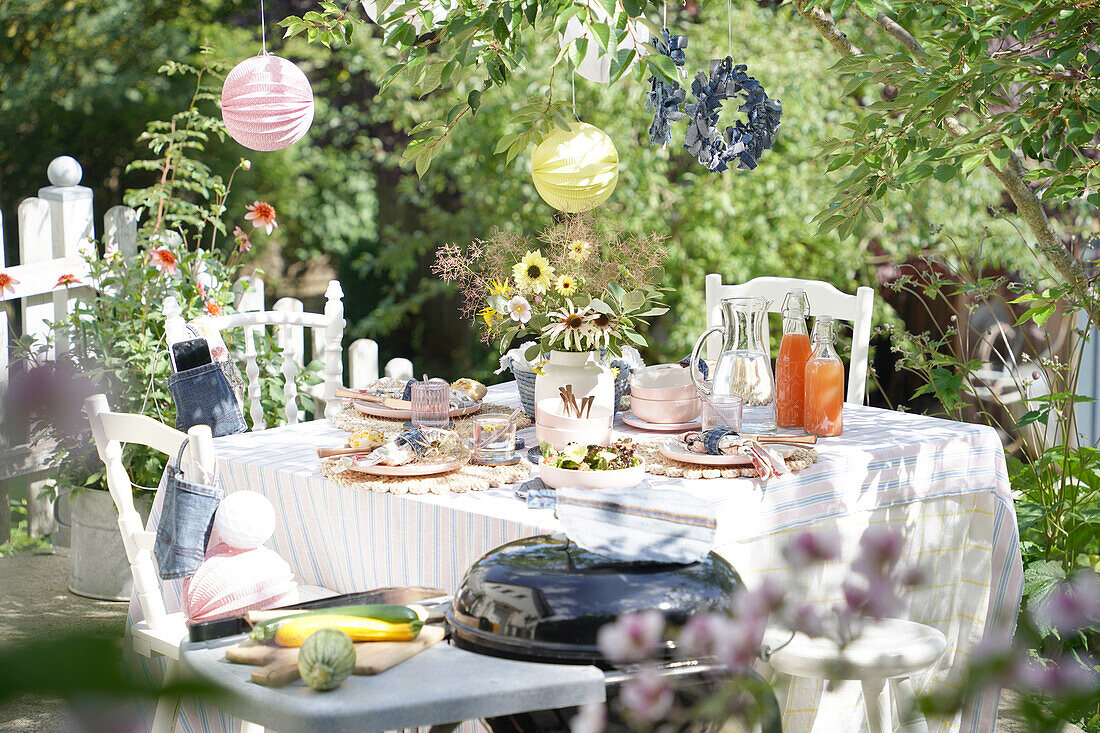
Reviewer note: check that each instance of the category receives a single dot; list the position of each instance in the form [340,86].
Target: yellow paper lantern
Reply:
[575,170]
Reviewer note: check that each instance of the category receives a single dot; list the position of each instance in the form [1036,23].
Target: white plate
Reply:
[636,422]
[674,449]
[409,469]
[369,408]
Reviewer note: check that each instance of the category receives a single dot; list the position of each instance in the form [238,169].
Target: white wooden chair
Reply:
[290,323]
[890,650]
[824,300]
[160,633]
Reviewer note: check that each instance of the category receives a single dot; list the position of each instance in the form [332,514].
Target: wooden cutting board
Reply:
[278,666]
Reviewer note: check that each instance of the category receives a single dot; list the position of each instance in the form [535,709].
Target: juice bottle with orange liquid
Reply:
[824,405]
[790,365]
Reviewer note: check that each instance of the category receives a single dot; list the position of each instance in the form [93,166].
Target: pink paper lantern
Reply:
[267,103]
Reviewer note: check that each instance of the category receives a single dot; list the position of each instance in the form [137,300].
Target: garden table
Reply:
[943,483]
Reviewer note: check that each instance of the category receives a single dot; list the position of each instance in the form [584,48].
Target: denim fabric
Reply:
[203,397]
[186,518]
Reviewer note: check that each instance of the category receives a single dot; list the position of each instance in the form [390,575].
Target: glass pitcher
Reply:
[744,367]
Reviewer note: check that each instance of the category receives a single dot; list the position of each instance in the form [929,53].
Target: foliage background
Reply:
[82,81]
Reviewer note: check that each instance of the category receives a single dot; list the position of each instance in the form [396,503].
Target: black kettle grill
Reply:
[543,599]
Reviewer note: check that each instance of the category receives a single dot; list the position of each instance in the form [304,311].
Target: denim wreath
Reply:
[745,142]
[664,98]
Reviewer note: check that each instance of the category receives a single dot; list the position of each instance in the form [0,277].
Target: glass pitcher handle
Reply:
[693,365]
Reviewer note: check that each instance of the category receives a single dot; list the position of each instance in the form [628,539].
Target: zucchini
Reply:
[394,614]
[296,630]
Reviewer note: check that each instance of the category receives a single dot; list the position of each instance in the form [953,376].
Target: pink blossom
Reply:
[913,576]
[1064,677]
[703,635]
[1074,604]
[647,695]
[879,550]
[874,596]
[589,719]
[633,637]
[240,236]
[7,282]
[164,260]
[804,618]
[262,214]
[739,647]
[812,546]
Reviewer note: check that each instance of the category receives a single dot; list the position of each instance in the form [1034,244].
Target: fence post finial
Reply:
[64,171]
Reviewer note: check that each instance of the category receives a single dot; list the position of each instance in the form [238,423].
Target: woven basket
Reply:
[525,382]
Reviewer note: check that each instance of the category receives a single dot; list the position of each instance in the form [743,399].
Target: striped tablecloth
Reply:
[943,483]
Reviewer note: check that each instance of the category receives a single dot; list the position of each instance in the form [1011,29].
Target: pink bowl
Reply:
[662,382]
[562,478]
[559,438]
[664,412]
[547,413]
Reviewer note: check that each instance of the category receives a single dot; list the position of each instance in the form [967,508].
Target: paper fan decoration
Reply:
[244,520]
[267,103]
[575,170]
[596,65]
[230,582]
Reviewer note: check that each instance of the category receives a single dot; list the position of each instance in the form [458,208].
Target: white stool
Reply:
[890,649]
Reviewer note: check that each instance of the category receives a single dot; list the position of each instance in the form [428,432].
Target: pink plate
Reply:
[674,449]
[635,422]
[369,408]
[409,469]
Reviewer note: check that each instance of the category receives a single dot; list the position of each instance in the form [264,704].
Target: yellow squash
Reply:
[295,631]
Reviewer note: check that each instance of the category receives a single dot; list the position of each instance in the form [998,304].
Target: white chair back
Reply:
[290,323]
[824,299]
[113,429]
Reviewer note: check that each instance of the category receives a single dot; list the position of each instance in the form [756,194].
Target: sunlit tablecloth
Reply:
[943,483]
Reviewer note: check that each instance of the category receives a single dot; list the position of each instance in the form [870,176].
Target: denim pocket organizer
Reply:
[203,397]
[186,518]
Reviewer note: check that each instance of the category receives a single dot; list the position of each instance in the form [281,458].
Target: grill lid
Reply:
[544,598]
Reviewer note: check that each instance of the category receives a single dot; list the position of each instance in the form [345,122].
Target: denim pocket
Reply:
[203,397]
[186,518]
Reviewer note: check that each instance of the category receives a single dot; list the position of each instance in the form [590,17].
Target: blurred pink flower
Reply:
[1064,677]
[703,635]
[240,236]
[632,637]
[804,618]
[647,695]
[879,550]
[812,546]
[589,719]
[1074,604]
[262,214]
[164,260]
[874,596]
[739,646]
[7,282]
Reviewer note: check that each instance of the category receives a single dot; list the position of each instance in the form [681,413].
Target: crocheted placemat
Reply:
[658,465]
[468,478]
[350,420]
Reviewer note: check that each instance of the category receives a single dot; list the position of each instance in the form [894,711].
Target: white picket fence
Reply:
[56,229]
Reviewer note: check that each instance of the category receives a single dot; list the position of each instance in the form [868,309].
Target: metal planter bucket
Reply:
[98,564]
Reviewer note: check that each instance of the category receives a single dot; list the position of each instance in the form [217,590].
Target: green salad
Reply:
[579,457]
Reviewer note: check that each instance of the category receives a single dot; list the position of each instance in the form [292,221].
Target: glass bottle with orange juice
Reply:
[790,365]
[824,402]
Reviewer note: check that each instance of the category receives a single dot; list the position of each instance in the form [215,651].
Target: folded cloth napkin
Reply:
[726,442]
[640,524]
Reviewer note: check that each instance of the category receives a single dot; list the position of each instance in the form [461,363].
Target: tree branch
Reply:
[1012,176]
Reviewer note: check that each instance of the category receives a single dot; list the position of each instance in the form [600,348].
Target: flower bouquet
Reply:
[578,289]
[576,296]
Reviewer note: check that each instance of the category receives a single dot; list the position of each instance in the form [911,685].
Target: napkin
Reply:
[640,524]
[727,442]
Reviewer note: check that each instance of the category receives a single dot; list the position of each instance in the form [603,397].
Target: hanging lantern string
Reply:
[263,28]
[573,84]
[729,24]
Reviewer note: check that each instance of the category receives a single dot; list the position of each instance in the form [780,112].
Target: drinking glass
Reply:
[431,404]
[494,438]
[722,411]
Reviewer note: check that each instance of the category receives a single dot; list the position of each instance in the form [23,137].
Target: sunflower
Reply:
[533,273]
[572,325]
[567,285]
[579,249]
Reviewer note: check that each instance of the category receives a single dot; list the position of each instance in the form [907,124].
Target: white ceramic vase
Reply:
[584,371]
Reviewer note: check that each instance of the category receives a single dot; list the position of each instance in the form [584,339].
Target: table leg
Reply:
[911,719]
[876,698]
